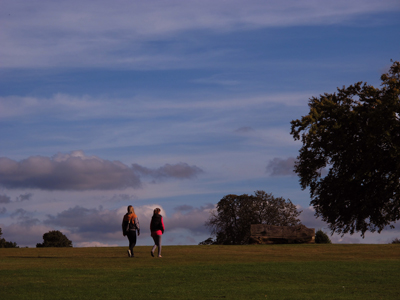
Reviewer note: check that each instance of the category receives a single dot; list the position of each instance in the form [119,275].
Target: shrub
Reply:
[396,241]
[208,241]
[322,238]
[54,239]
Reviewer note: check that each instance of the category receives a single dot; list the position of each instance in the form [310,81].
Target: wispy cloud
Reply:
[74,108]
[47,33]
[179,171]
[244,130]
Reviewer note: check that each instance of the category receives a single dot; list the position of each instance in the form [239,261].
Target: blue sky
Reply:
[172,104]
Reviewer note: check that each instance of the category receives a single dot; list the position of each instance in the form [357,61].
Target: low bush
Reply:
[322,238]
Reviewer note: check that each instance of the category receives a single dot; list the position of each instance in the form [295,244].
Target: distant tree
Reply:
[396,241]
[230,222]
[5,244]
[54,239]
[354,135]
[322,238]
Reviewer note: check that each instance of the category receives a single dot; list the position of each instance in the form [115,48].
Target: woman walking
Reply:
[157,229]
[130,223]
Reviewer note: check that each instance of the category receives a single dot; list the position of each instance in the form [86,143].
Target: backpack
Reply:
[128,225]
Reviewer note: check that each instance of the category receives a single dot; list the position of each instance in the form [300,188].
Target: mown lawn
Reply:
[203,272]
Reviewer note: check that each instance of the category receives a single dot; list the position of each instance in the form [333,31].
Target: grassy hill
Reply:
[203,272]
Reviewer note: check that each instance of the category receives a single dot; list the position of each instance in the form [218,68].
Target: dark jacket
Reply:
[157,223]
[132,221]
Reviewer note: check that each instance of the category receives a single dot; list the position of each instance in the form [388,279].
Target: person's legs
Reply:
[157,243]
[132,241]
[155,239]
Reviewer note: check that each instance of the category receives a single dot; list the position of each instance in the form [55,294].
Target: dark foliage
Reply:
[230,222]
[54,239]
[5,244]
[396,241]
[208,241]
[350,158]
[322,238]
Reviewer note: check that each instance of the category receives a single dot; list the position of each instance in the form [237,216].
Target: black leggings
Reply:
[132,239]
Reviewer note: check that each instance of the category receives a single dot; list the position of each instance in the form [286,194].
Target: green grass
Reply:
[203,272]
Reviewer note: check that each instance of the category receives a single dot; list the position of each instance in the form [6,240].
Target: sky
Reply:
[170,104]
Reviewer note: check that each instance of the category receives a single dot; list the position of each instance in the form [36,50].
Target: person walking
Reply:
[157,229]
[130,223]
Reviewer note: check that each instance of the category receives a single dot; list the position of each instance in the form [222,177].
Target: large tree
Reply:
[230,222]
[350,158]
[54,238]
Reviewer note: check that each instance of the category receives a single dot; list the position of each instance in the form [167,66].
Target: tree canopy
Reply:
[350,158]
[230,222]
[54,238]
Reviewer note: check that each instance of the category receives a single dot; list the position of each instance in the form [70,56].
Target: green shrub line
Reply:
[320,271]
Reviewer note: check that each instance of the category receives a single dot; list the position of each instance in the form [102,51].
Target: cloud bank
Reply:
[76,171]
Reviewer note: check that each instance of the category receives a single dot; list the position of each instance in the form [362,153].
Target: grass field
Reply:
[203,272]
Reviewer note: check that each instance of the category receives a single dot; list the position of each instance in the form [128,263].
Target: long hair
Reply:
[131,210]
